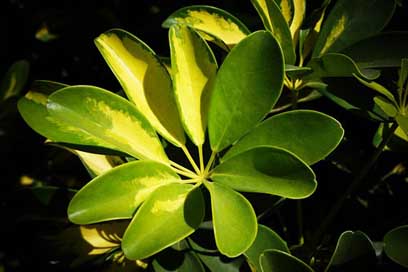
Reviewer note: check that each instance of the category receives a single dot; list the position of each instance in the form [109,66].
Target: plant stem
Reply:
[180,167]
[184,173]
[209,163]
[200,154]
[190,159]
[357,181]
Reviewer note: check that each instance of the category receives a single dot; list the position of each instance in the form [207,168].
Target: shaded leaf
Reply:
[172,260]
[396,245]
[279,261]
[246,88]
[14,80]
[296,71]
[403,122]
[378,88]
[386,106]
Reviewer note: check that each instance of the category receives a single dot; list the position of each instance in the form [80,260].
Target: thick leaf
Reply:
[386,106]
[382,50]
[396,245]
[211,20]
[378,88]
[354,252]
[310,135]
[338,65]
[246,88]
[171,260]
[274,21]
[193,71]
[117,193]
[14,80]
[269,170]
[299,7]
[279,261]
[352,21]
[145,81]
[107,117]
[96,164]
[171,213]
[235,237]
[265,239]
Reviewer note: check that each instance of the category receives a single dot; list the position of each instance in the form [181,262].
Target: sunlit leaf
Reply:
[402,121]
[170,214]
[96,164]
[274,21]
[14,80]
[193,71]
[279,261]
[245,89]
[267,170]
[211,20]
[351,21]
[299,7]
[107,117]
[236,237]
[144,79]
[309,134]
[287,9]
[396,245]
[386,106]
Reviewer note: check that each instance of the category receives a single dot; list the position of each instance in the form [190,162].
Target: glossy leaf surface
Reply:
[396,245]
[279,261]
[246,88]
[96,164]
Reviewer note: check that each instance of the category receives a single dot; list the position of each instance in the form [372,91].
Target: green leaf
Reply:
[398,141]
[296,71]
[279,261]
[193,70]
[275,22]
[354,252]
[171,260]
[287,9]
[403,75]
[144,79]
[381,50]
[117,193]
[378,88]
[245,89]
[96,164]
[269,170]
[386,106]
[107,117]
[14,80]
[310,135]
[265,239]
[211,20]
[396,245]
[338,65]
[299,7]
[235,237]
[402,122]
[170,214]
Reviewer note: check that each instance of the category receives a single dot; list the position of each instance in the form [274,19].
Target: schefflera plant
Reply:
[163,198]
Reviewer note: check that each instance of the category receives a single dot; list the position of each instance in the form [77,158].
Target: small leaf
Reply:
[171,260]
[311,135]
[396,245]
[386,106]
[403,75]
[117,193]
[14,80]
[267,170]
[352,21]
[107,117]
[379,88]
[144,79]
[354,252]
[246,88]
[296,71]
[194,68]
[265,239]
[170,214]
[236,237]
[402,122]
[274,21]
[279,261]
[211,20]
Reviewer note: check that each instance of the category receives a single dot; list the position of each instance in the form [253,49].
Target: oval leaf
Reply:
[310,135]
[211,20]
[265,239]
[144,79]
[117,193]
[352,21]
[14,80]
[279,261]
[246,88]
[267,170]
[193,71]
[396,245]
[236,237]
[108,117]
[170,214]
[274,21]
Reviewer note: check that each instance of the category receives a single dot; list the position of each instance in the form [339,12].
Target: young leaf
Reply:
[236,237]
[354,252]
[265,239]
[378,88]
[386,106]
[14,80]
[279,261]
[299,7]
[96,164]
[310,135]
[193,71]
[117,193]
[211,20]
[144,79]
[107,117]
[247,86]
[171,213]
[267,170]
[403,122]
[396,245]
[352,21]
[274,21]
